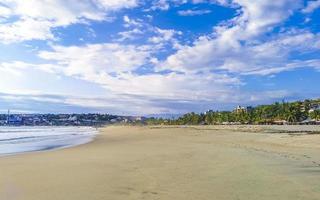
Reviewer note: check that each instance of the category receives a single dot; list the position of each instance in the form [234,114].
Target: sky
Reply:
[141,57]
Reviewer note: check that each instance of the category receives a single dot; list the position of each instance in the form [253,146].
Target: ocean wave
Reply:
[15,140]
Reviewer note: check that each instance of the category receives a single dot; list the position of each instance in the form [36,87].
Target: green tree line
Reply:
[286,112]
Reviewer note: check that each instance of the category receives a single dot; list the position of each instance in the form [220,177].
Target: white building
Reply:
[240,109]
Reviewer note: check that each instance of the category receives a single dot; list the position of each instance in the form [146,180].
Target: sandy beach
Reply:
[172,163]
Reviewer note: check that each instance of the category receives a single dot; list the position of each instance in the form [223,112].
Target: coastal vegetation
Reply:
[298,112]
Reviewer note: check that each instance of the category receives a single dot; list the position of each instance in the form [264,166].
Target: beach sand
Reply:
[170,163]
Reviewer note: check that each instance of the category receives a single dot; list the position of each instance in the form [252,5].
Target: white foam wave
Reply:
[15,140]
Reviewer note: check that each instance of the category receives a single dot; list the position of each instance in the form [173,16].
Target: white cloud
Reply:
[97,60]
[166,4]
[137,28]
[116,4]
[272,56]
[128,92]
[131,22]
[26,29]
[221,2]
[193,12]
[4,12]
[240,45]
[113,65]
[35,19]
[258,17]
[161,5]
[14,68]
[129,35]
[118,104]
[312,6]
[164,35]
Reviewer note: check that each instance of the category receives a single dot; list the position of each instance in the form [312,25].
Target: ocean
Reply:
[16,140]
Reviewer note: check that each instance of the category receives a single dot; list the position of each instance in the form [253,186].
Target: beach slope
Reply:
[170,163]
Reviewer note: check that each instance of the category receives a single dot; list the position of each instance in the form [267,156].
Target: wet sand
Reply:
[172,163]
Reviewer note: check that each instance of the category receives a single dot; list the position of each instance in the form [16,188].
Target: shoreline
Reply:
[50,149]
[24,140]
[131,162]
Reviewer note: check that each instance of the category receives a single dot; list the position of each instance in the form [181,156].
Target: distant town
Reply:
[64,119]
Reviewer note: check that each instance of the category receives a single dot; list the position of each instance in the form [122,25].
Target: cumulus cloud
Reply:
[240,46]
[28,20]
[97,60]
[113,66]
[163,36]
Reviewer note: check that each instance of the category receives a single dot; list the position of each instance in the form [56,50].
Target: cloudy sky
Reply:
[156,56]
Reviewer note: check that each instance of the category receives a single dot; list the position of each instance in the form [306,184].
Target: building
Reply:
[240,109]
[314,107]
[208,111]
[14,120]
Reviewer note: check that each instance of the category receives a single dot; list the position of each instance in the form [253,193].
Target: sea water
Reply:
[16,140]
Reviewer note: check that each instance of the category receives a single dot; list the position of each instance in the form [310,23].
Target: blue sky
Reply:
[156,56]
